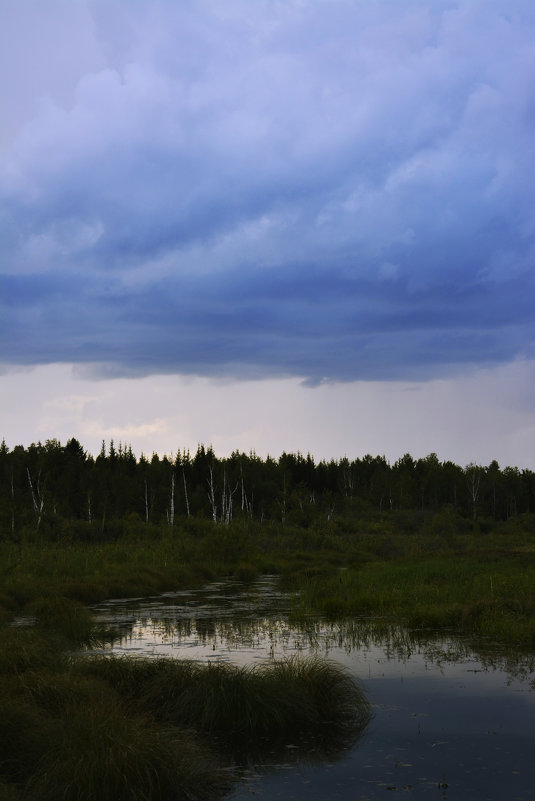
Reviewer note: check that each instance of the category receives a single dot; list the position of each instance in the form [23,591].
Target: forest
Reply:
[51,490]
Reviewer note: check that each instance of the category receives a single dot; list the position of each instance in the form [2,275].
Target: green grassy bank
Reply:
[491,596]
[420,570]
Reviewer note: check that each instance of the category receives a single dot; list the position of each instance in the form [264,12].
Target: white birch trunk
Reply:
[37,498]
[172,501]
[185,490]
[211,495]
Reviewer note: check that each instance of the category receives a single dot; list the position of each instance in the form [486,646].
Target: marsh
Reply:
[452,714]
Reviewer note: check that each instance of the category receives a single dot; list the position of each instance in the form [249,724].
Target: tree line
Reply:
[46,485]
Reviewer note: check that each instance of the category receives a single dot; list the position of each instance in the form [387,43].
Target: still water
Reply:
[453,718]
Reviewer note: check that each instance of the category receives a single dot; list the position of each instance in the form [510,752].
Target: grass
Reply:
[289,696]
[432,574]
[154,730]
[490,596]
[23,729]
[100,751]
[245,712]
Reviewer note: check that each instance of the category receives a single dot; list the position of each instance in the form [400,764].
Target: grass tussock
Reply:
[126,729]
[10,792]
[63,616]
[24,648]
[101,752]
[23,729]
[290,696]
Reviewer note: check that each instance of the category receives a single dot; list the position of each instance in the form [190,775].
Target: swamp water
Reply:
[453,718]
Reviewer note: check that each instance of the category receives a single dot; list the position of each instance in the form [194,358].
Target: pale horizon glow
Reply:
[166,414]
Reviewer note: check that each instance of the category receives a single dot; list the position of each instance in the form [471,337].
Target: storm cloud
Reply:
[328,190]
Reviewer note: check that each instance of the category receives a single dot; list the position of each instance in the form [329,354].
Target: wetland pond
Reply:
[453,717]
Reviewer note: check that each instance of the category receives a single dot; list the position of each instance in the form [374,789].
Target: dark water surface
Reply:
[453,718]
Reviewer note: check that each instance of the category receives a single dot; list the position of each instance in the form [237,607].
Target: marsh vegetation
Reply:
[398,551]
[122,728]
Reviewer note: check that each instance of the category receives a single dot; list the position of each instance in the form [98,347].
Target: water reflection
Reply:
[234,622]
[454,716]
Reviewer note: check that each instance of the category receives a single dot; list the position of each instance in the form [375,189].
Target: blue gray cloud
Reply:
[328,190]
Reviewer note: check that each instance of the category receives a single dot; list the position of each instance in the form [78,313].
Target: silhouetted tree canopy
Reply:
[50,482]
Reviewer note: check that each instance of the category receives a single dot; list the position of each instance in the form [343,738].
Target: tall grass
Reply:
[84,728]
[265,700]
[486,595]
[68,735]
[102,752]
[10,792]
[23,729]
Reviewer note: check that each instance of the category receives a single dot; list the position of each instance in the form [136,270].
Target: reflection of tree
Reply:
[206,628]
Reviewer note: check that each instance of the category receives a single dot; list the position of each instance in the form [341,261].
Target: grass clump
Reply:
[55,692]
[126,729]
[10,792]
[22,648]
[23,729]
[328,693]
[99,752]
[285,697]
[66,617]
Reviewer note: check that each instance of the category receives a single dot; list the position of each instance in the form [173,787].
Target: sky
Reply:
[270,225]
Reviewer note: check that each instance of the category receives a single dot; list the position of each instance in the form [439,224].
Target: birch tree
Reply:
[37,497]
[172,500]
[211,493]
[473,475]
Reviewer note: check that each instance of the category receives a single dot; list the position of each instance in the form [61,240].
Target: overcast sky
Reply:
[271,225]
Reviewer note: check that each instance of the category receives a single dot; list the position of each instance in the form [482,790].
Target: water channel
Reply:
[453,718]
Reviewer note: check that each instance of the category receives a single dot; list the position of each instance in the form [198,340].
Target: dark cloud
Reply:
[291,320]
[328,190]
